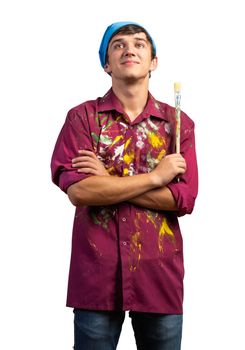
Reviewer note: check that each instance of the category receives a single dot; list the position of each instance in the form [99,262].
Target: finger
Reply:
[76,160]
[181,164]
[182,169]
[87,153]
[84,156]
[88,171]
[85,165]
[175,156]
[83,159]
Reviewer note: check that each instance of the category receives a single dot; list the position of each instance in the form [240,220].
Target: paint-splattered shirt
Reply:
[125,257]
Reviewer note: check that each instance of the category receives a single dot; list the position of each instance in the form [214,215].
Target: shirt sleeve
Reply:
[74,135]
[185,191]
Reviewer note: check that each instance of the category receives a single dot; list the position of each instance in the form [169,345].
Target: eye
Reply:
[140,45]
[118,46]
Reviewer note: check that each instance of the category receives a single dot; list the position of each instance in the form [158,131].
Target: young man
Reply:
[115,158]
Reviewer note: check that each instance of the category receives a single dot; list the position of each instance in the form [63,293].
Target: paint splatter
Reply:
[165,230]
[129,157]
[102,216]
[151,216]
[93,245]
[116,139]
[135,245]
[135,248]
[155,140]
[161,154]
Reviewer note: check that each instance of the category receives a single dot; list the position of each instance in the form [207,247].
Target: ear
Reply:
[107,68]
[154,63]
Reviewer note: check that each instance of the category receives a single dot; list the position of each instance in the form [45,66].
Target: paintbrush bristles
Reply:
[177,87]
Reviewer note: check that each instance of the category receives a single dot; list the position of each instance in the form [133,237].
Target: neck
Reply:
[133,97]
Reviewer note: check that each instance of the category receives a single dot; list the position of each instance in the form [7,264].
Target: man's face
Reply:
[129,57]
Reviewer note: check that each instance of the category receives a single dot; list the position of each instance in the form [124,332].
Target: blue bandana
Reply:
[107,37]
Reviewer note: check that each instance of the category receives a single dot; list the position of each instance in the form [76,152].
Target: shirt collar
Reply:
[153,107]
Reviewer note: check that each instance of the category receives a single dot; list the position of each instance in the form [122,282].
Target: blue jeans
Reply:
[100,330]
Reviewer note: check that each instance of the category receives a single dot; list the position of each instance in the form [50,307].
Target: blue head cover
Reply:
[107,37]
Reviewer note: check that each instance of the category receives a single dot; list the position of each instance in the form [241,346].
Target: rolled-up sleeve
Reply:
[185,191]
[74,135]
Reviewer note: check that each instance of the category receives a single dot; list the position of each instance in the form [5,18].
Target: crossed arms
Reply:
[145,190]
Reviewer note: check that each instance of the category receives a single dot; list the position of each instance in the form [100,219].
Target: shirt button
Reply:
[124,219]
[124,243]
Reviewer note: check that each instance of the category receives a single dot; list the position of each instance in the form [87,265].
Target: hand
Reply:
[88,163]
[168,168]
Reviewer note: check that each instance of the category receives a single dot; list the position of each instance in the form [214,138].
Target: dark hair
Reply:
[132,29]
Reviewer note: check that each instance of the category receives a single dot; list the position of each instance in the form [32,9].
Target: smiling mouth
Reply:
[128,62]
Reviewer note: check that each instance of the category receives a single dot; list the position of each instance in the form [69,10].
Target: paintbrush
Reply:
[177,97]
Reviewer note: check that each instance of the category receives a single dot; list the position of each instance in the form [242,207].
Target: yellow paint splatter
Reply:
[116,139]
[127,143]
[125,171]
[150,217]
[135,246]
[128,157]
[155,140]
[164,230]
[161,154]
[135,240]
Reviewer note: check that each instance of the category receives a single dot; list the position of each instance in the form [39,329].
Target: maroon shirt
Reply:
[125,257]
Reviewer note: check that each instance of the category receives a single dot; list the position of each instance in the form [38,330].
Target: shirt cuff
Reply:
[68,178]
[183,198]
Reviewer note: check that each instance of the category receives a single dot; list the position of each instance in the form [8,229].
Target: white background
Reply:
[49,63]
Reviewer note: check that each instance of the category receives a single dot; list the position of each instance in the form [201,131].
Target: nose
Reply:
[129,54]
[129,51]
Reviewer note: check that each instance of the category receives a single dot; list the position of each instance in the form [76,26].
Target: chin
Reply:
[134,77]
[130,78]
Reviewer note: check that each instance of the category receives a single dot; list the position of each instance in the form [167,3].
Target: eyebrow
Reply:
[120,40]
